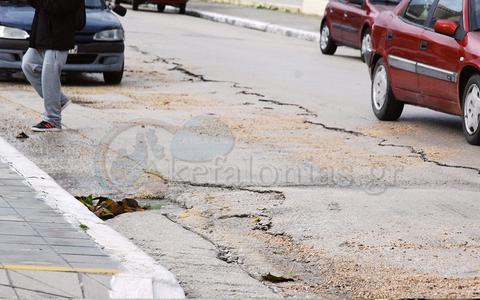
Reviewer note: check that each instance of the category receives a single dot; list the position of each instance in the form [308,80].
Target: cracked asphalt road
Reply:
[309,185]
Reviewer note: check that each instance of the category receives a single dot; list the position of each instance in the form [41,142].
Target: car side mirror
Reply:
[119,10]
[446,27]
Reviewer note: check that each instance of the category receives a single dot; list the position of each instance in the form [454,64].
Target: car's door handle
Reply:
[423,45]
[389,36]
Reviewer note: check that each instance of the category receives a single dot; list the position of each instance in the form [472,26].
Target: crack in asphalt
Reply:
[180,68]
[338,129]
[250,93]
[239,216]
[423,156]
[276,102]
[247,91]
[222,251]
[279,194]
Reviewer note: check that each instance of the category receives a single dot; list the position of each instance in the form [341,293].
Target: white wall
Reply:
[314,7]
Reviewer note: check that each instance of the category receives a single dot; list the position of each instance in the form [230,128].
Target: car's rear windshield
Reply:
[90,4]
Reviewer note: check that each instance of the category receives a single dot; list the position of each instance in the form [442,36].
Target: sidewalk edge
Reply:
[256,25]
[143,278]
[288,8]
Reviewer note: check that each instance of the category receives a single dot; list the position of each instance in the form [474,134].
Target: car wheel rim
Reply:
[472,109]
[324,37]
[380,86]
[366,44]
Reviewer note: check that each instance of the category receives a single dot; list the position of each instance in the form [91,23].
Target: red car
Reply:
[427,53]
[161,4]
[349,23]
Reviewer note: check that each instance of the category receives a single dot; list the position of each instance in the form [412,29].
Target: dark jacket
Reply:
[53,26]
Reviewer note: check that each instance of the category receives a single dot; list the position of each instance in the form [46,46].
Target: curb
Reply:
[143,277]
[264,5]
[256,25]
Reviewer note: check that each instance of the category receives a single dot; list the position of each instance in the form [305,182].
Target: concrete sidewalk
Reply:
[299,26]
[41,254]
[51,246]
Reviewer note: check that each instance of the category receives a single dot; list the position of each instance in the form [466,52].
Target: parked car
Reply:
[349,23]
[427,53]
[161,4]
[99,46]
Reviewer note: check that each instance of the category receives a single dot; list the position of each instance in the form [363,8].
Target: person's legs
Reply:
[32,65]
[32,68]
[51,86]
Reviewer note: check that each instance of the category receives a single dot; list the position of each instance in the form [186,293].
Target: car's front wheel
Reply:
[113,77]
[366,47]
[384,105]
[471,110]
[160,7]
[327,44]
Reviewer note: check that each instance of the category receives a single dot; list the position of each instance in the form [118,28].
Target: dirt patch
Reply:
[217,216]
[366,281]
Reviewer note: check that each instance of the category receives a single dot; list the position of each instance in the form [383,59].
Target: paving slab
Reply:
[42,255]
[53,283]
[94,286]
[3,203]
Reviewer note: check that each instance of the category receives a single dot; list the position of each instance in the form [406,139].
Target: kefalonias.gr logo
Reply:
[139,158]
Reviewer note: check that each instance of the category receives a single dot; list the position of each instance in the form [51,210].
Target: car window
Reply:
[417,11]
[356,2]
[94,4]
[447,10]
[386,2]
[474,15]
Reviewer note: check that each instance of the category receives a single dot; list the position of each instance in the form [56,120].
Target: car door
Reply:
[403,42]
[354,15]
[338,21]
[439,58]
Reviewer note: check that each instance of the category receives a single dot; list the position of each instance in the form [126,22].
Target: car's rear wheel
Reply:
[135,4]
[366,44]
[384,105]
[113,77]
[471,110]
[183,9]
[161,7]
[327,44]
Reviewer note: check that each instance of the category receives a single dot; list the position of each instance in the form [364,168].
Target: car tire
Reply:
[471,110]
[135,4]
[113,77]
[183,9]
[384,105]
[327,44]
[365,44]
[161,7]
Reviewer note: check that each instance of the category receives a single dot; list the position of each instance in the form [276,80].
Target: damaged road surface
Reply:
[268,174]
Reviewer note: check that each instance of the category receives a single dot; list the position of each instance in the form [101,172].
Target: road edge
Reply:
[256,25]
[143,278]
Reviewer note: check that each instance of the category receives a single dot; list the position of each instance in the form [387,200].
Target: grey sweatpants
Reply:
[43,69]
